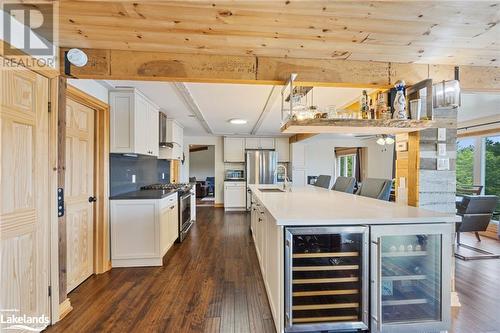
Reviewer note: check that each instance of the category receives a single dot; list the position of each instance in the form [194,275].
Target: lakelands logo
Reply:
[13,320]
[29,27]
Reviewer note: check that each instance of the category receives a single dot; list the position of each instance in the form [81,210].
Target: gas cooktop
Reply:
[184,187]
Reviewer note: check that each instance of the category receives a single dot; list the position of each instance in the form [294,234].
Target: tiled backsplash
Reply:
[146,170]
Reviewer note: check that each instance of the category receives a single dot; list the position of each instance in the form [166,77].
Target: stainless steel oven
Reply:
[326,279]
[185,221]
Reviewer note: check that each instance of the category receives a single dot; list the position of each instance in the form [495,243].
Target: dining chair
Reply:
[476,212]
[323,181]
[344,184]
[375,188]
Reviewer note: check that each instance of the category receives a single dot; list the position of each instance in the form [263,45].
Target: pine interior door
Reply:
[79,187]
[24,201]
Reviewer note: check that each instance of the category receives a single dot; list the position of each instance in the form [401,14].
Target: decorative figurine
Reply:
[400,101]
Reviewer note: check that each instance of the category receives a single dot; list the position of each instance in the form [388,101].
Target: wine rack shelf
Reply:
[324,268]
[325,254]
[325,306]
[404,254]
[325,280]
[404,277]
[325,293]
[324,319]
[405,302]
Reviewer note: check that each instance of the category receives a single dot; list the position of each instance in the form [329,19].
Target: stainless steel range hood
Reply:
[163,132]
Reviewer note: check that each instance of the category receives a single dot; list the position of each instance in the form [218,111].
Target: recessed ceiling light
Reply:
[237,121]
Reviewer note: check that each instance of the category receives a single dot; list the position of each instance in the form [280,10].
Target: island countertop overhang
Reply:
[310,205]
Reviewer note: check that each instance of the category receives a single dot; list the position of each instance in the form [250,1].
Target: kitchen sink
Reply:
[271,190]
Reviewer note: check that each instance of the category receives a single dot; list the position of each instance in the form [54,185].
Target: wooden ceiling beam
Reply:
[182,67]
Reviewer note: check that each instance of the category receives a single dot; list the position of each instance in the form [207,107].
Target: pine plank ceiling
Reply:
[435,32]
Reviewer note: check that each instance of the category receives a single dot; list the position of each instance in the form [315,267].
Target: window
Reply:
[346,165]
[492,168]
[465,163]
[478,164]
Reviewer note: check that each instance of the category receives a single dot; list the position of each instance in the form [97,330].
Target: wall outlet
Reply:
[133,179]
[443,164]
[441,134]
[442,149]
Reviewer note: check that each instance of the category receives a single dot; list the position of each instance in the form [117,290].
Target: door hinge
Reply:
[50,106]
[50,291]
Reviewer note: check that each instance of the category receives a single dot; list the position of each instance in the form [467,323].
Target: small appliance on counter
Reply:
[184,194]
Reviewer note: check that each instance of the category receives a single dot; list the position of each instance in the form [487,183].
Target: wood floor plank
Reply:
[212,283]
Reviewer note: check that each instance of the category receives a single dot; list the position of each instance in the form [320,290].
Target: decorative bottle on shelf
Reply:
[381,107]
[372,110]
[400,101]
[363,103]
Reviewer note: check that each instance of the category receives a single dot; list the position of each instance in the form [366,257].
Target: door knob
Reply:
[92,199]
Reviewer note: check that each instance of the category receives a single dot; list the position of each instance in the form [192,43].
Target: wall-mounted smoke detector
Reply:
[77,57]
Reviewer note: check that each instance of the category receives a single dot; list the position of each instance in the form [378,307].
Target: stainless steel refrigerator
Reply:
[260,168]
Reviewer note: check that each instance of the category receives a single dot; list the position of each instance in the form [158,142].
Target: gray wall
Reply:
[147,170]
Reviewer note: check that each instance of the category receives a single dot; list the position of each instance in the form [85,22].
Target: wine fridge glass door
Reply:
[327,279]
[412,281]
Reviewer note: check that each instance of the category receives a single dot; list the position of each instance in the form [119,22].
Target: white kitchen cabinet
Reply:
[142,231]
[283,149]
[268,241]
[175,135]
[266,143]
[133,123]
[259,143]
[234,149]
[234,196]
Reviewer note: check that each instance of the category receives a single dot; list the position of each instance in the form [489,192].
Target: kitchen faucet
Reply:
[286,180]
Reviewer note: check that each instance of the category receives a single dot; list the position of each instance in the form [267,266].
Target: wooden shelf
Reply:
[325,280]
[405,302]
[404,277]
[404,254]
[325,268]
[324,319]
[325,254]
[325,306]
[361,126]
[325,293]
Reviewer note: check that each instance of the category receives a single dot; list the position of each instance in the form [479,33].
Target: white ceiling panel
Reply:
[221,102]
[166,96]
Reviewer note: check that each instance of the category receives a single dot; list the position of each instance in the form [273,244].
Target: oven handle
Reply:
[186,196]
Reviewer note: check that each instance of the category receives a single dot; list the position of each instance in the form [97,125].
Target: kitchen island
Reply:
[337,261]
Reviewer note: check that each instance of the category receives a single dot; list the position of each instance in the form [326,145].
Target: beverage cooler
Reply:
[326,279]
[377,279]
[410,284]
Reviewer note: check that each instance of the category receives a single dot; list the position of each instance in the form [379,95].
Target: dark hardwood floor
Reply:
[212,283]
[209,283]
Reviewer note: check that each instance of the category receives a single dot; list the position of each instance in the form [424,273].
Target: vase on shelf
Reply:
[400,101]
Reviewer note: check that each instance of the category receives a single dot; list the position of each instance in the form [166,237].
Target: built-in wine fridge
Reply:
[326,279]
[410,278]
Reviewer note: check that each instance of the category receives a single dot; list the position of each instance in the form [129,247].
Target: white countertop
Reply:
[311,205]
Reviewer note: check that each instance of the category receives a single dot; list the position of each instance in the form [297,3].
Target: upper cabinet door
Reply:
[153,130]
[142,130]
[133,123]
[122,122]
[266,143]
[252,143]
[283,149]
[234,149]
